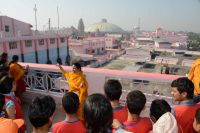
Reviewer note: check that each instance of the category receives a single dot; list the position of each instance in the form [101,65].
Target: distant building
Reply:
[162,44]
[81,27]
[10,27]
[104,27]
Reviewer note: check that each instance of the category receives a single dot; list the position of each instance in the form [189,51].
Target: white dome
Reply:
[104,27]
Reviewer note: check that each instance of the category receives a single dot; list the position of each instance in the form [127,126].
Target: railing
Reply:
[46,79]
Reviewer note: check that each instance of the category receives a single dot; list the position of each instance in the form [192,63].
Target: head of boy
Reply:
[113,89]
[97,113]
[41,111]
[158,108]
[182,89]
[135,101]
[196,123]
[70,103]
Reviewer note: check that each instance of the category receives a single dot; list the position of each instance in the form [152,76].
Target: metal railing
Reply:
[50,81]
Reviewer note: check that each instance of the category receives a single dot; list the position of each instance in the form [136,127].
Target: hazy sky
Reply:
[180,15]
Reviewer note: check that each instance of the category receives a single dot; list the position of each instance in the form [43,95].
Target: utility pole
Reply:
[49,22]
[58,17]
[35,10]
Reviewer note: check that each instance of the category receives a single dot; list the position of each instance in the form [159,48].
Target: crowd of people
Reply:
[95,113]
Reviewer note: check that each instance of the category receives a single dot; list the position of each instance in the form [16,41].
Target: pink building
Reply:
[10,27]
[91,45]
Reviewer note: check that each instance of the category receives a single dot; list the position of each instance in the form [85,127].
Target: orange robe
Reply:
[75,79]
[194,75]
[17,72]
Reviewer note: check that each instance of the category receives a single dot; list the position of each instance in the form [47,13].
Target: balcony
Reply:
[47,80]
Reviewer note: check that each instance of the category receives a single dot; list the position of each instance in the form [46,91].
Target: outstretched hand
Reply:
[58,65]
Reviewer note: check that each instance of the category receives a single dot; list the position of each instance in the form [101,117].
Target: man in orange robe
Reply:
[194,76]
[77,83]
[18,72]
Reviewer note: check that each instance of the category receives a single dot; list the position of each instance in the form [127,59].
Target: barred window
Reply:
[6,28]
[12,45]
[28,43]
[62,40]
[52,41]
[41,42]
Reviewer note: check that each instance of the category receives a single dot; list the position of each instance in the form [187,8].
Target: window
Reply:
[62,40]
[28,43]
[41,42]
[52,40]
[6,28]
[13,45]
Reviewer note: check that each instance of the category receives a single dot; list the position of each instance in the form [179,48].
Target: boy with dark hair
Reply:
[164,121]
[97,113]
[41,113]
[183,91]
[196,123]
[136,101]
[71,124]
[113,91]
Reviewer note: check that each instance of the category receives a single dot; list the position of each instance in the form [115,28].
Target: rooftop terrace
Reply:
[44,79]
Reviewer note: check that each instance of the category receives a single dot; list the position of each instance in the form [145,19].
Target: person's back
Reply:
[183,91]
[185,116]
[120,113]
[160,114]
[71,124]
[113,91]
[136,101]
[69,127]
[140,125]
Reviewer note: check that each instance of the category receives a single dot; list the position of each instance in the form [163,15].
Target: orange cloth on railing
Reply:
[194,75]
[75,79]
[17,71]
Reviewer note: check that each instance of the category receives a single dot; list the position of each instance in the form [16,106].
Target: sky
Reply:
[173,15]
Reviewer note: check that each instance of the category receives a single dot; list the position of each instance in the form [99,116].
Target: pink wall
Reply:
[16,27]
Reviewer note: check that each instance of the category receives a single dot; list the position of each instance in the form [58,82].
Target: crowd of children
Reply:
[100,113]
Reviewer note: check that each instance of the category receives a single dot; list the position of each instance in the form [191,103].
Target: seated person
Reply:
[136,101]
[41,112]
[196,123]
[160,114]
[12,105]
[97,113]
[183,92]
[8,125]
[71,124]
[113,91]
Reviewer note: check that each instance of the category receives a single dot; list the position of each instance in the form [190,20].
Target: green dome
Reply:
[104,27]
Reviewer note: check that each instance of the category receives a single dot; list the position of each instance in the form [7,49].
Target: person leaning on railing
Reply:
[77,83]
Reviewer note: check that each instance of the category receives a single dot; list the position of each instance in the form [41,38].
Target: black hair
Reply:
[2,102]
[98,115]
[70,102]
[113,89]
[15,58]
[136,101]
[197,115]
[77,65]
[183,84]
[40,110]
[3,58]
[159,107]
[6,82]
